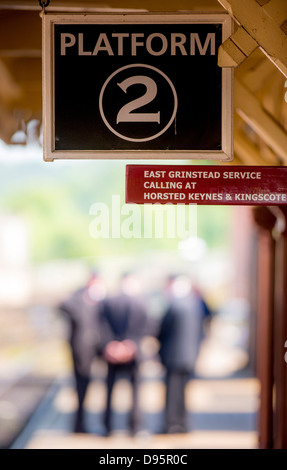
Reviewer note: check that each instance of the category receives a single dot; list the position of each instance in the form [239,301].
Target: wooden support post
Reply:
[265,319]
[280,337]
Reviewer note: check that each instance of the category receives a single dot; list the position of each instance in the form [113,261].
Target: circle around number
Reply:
[130,138]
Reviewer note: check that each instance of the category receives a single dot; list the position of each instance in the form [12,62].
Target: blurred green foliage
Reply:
[56,198]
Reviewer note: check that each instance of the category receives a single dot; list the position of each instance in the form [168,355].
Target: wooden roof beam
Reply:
[248,153]
[250,110]
[255,75]
[236,49]
[20,34]
[266,23]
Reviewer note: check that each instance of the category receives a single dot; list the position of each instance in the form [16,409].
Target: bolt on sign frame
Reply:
[136,86]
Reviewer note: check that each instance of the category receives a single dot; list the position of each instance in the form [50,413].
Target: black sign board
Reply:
[136,86]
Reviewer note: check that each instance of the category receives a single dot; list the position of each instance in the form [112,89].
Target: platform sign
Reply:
[206,185]
[136,86]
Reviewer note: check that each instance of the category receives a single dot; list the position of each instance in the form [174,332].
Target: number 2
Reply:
[125,114]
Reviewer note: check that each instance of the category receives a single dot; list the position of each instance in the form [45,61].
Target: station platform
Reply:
[222,414]
[38,402]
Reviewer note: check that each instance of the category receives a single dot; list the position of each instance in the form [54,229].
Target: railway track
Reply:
[19,399]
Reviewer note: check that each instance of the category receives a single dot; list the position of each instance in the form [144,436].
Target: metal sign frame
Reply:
[49,147]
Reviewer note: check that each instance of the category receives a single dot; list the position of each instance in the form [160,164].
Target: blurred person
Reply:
[180,336]
[81,311]
[123,323]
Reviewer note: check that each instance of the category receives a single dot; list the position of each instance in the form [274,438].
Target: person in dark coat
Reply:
[80,311]
[180,336]
[122,325]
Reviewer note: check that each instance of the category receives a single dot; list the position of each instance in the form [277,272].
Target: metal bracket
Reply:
[44,4]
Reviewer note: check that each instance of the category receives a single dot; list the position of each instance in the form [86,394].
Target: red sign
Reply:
[206,185]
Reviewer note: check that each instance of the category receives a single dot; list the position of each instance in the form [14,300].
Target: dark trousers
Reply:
[131,369]
[82,381]
[175,410]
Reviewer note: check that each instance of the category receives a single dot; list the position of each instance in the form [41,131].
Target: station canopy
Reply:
[257,50]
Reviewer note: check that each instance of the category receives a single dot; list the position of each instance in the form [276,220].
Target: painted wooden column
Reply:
[280,334]
[272,325]
[265,317]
